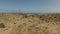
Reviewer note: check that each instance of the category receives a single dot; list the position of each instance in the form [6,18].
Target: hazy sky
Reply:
[31,5]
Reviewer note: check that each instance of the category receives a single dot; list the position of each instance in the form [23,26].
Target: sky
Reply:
[30,6]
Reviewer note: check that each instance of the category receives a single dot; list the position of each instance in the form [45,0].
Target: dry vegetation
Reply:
[29,23]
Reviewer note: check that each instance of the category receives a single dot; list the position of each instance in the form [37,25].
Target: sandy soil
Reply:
[29,23]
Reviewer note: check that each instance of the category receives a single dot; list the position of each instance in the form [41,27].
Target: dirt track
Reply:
[29,23]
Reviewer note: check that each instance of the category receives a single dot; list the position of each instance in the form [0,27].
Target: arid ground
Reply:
[29,23]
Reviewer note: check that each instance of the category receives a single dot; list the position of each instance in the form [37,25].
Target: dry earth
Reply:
[29,23]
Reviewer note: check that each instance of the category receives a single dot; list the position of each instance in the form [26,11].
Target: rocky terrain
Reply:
[29,23]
